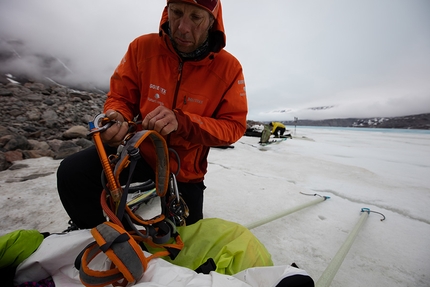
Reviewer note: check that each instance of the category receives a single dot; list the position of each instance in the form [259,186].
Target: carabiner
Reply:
[100,123]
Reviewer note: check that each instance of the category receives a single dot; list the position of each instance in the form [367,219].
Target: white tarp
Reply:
[56,255]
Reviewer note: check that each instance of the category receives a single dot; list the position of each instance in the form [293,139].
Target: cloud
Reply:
[363,57]
[89,37]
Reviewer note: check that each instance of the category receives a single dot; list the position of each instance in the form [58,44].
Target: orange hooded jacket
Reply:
[208,96]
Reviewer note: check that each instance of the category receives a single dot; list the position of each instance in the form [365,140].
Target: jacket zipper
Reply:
[175,96]
[178,83]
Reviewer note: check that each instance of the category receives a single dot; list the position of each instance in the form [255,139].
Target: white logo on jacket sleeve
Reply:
[242,82]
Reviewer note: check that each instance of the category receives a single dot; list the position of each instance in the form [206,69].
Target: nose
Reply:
[184,25]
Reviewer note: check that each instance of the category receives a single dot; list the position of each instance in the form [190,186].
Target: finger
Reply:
[115,134]
[145,122]
[157,121]
[166,129]
[114,115]
[166,125]
[111,114]
[152,117]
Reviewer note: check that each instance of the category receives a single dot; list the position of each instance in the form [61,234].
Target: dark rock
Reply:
[16,166]
[28,177]
[49,102]
[17,142]
[37,145]
[55,144]
[5,93]
[4,131]
[84,143]
[82,96]
[67,148]
[4,164]
[76,132]
[34,98]
[35,86]
[38,153]
[13,155]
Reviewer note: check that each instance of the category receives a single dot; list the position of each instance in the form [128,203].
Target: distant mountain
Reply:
[421,121]
[23,63]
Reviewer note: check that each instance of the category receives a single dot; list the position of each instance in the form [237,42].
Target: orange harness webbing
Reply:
[122,247]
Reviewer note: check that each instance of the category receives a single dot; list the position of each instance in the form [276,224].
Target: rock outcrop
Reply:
[38,120]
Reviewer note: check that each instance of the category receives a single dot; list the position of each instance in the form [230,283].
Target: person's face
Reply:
[189,26]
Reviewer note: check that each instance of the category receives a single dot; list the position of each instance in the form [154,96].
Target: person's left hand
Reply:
[162,120]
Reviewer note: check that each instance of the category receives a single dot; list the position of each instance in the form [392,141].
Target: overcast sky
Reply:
[365,57]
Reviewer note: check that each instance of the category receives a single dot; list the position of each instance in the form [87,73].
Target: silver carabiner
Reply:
[96,124]
[174,186]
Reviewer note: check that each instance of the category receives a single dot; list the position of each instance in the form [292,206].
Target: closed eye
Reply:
[177,13]
[195,17]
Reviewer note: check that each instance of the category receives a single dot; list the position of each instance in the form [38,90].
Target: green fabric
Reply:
[232,246]
[17,246]
[265,135]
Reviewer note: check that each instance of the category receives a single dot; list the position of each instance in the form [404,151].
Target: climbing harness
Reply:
[331,270]
[123,236]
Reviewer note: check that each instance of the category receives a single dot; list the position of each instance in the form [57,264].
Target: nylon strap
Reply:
[124,252]
[162,165]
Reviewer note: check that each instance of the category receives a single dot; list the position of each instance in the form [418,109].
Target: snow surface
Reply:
[387,171]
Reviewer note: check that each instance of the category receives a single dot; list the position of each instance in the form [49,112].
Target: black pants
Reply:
[279,131]
[79,186]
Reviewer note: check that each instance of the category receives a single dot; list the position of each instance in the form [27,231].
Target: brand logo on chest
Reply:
[159,92]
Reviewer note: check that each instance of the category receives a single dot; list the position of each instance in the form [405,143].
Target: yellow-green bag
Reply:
[16,246]
[232,246]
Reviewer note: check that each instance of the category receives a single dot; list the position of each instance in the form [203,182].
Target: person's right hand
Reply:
[115,134]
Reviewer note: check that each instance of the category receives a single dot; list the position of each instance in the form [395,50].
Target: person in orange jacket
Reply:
[180,82]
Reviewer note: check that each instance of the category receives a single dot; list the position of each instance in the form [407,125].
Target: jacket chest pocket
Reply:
[194,103]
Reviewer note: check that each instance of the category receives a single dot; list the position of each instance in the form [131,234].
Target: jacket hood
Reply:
[217,38]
